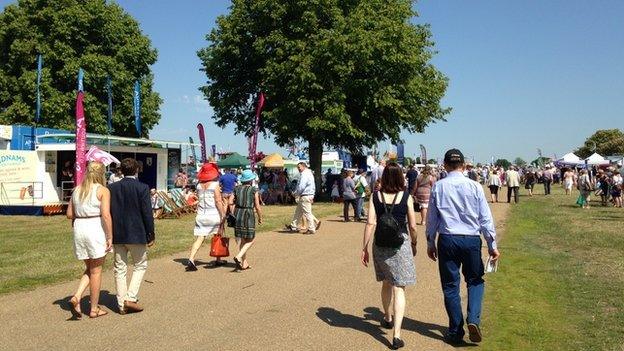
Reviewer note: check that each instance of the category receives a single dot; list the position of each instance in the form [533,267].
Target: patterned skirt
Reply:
[245,223]
[395,265]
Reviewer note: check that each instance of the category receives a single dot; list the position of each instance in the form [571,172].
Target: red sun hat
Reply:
[208,172]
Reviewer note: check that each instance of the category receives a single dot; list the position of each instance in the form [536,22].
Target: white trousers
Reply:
[139,257]
[304,208]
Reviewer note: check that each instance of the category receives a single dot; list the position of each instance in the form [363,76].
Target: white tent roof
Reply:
[570,157]
[596,159]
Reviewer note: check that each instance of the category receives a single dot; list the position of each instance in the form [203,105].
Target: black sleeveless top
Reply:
[400,209]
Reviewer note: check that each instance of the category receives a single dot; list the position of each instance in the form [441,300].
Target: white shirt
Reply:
[306,186]
[363,181]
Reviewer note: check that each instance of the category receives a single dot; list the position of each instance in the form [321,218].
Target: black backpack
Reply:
[388,231]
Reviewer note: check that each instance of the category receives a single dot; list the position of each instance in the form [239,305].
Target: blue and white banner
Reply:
[137,106]
[400,153]
[109,91]
[39,67]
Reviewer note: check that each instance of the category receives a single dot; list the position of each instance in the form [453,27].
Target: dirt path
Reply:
[303,293]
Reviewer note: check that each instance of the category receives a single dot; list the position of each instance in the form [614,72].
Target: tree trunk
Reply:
[316,158]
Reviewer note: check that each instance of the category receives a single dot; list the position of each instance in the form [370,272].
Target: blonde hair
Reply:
[427,171]
[94,175]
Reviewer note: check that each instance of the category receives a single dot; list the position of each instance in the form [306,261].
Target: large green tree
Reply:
[520,162]
[98,36]
[336,73]
[605,142]
[502,162]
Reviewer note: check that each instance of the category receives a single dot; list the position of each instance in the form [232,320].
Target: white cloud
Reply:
[199,100]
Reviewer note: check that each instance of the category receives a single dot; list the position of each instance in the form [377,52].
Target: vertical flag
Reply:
[400,153]
[193,150]
[137,107]
[214,151]
[202,142]
[109,91]
[423,154]
[81,133]
[254,139]
[39,67]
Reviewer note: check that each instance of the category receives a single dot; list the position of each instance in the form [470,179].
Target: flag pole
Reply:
[38,106]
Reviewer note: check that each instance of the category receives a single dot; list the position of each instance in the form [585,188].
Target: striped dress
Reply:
[244,197]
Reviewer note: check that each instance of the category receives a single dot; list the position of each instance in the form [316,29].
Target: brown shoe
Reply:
[131,307]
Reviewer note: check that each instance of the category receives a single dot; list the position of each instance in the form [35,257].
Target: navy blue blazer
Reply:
[131,209]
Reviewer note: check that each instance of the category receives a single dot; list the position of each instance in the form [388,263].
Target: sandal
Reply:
[75,309]
[98,312]
[246,268]
[239,266]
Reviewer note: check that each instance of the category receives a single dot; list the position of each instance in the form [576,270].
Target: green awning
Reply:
[235,160]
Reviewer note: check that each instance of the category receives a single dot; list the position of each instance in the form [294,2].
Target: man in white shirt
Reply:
[513,183]
[304,196]
[360,185]
[376,173]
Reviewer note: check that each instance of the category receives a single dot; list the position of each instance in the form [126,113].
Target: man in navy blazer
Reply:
[133,232]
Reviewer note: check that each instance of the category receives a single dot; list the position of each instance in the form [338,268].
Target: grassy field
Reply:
[37,251]
[560,285]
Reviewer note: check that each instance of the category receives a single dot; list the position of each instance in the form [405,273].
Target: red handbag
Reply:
[219,246]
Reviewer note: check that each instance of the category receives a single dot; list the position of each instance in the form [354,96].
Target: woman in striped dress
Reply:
[245,204]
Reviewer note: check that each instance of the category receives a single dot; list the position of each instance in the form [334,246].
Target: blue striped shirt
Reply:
[457,206]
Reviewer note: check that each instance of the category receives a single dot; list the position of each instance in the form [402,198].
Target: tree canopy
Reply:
[520,162]
[98,36]
[336,73]
[501,162]
[606,142]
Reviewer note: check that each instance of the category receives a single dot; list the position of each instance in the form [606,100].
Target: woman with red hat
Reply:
[210,210]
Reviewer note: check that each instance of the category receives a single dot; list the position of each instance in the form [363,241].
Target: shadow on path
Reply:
[106,299]
[369,324]
[338,319]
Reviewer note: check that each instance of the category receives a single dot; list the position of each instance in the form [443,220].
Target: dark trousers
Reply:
[547,183]
[455,252]
[515,190]
[345,209]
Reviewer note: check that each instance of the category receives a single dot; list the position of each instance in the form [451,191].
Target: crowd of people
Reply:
[119,218]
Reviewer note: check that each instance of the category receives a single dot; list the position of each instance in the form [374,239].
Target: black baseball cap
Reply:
[453,156]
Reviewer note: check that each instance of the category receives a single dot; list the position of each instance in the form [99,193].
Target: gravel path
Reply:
[303,293]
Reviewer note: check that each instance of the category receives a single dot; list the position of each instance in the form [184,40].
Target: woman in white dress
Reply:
[89,210]
[210,210]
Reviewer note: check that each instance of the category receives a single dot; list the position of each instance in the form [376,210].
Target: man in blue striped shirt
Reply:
[459,213]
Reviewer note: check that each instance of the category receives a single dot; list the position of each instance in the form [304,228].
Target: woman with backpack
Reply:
[391,217]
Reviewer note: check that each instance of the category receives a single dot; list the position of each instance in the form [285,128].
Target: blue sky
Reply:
[523,74]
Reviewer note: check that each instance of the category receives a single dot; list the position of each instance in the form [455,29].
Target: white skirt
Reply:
[206,224]
[89,238]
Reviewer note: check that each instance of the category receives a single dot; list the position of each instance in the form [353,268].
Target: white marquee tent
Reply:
[570,159]
[595,159]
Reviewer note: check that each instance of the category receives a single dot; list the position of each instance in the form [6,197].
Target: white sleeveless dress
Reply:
[207,220]
[89,237]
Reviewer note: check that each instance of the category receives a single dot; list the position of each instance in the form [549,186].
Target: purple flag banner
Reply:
[254,139]
[202,141]
[423,154]
[81,134]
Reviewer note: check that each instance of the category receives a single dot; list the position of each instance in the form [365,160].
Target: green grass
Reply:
[560,284]
[37,251]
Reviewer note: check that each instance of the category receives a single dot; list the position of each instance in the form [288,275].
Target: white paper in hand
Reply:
[491,266]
